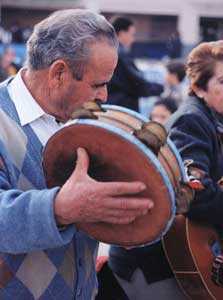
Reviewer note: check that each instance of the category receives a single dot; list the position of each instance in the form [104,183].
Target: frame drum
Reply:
[122,146]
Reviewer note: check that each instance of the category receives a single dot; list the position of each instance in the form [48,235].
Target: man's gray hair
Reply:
[68,35]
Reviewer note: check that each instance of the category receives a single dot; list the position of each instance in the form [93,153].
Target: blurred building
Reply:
[157,21]
[29,12]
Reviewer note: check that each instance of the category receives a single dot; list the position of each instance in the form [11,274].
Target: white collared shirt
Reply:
[30,112]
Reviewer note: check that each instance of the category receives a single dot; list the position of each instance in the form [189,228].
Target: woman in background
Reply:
[162,110]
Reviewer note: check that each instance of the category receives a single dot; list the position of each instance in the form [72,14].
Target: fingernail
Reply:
[142,187]
[80,150]
[151,204]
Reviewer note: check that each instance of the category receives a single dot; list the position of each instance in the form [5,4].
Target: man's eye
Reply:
[98,86]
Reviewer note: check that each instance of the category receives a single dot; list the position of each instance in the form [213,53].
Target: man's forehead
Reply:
[103,56]
[102,50]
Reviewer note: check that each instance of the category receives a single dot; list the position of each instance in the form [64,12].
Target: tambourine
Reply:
[122,146]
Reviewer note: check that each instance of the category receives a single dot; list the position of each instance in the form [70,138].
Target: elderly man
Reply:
[71,57]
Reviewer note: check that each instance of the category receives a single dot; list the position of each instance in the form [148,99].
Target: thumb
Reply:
[82,163]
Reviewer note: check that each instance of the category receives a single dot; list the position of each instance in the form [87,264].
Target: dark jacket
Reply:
[128,83]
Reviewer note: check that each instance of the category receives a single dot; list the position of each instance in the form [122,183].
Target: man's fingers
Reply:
[120,221]
[120,213]
[122,188]
[124,203]
[82,163]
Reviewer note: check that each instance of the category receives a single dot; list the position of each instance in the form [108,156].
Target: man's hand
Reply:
[83,199]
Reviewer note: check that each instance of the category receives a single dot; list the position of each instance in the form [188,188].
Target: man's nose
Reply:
[102,94]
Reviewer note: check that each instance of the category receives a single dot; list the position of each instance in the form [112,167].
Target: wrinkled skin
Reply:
[83,199]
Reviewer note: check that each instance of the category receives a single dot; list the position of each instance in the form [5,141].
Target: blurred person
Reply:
[3,74]
[5,36]
[2,32]
[174,45]
[128,82]
[162,110]
[17,33]
[176,86]
[8,64]
[71,56]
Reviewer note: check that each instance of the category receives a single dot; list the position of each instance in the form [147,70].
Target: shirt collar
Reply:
[27,107]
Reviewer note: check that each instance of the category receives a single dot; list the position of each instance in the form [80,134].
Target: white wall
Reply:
[92,5]
[159,6]
[140,6]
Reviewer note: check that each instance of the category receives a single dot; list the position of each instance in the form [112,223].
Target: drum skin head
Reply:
[113,157]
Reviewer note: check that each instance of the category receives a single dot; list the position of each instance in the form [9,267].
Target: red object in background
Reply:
[101,260]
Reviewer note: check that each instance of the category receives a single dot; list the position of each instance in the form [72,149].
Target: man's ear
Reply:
[198,91]
[58,73]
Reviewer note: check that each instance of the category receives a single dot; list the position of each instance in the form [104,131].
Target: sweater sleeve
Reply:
[195,141]
[27,221]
